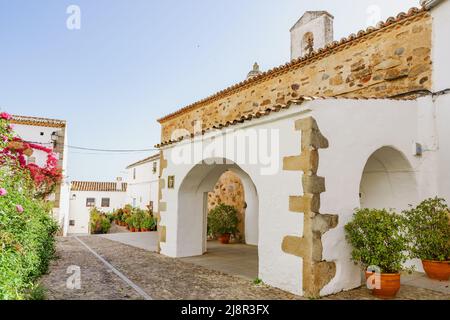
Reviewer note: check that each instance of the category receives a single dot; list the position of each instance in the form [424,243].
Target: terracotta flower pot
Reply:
[225,238]
[389,285]
[438,270]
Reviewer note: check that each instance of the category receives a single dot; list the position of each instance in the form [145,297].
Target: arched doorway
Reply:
[193,199]
[229,190]
[388,181]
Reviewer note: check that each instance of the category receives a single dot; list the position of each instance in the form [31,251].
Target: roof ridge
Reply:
[148,159]
[269,110]
[330,48]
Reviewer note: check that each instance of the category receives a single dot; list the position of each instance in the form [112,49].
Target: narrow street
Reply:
[126,270]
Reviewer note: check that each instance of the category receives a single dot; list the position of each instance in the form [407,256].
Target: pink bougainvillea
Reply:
[5,116]
[45,178]
[19,208]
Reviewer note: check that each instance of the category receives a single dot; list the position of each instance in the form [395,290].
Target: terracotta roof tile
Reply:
[275,108]
[97,186]
[35,121]
[319,54]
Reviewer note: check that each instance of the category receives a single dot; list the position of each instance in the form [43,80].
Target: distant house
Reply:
[49,133]
[143,183]
[85,195]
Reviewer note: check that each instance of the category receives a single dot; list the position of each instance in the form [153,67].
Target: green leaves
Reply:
[378,239]
[100,223]
[26,238]
[428,227]
[223,219]
[386,239]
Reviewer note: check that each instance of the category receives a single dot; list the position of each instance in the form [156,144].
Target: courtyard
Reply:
[148,275]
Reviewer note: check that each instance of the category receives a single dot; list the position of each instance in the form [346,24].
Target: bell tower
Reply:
[314,30]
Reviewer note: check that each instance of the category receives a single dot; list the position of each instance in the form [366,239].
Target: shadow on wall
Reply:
[388,181]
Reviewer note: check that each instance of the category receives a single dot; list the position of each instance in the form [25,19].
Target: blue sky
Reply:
[134,61]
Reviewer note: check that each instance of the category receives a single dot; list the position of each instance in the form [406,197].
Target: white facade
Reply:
[51,134]
[80,209]
[380,153]
[143,183]
[358,131]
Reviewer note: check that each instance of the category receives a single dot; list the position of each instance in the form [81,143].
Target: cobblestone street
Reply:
[164,278]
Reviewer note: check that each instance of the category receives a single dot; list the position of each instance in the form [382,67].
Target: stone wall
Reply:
[393,60]
[230,191]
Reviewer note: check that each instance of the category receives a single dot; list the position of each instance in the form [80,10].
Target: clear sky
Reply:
[134,61]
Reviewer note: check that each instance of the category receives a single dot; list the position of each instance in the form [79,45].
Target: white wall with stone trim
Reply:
[355,129]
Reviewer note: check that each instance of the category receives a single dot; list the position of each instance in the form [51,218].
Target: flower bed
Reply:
[26,228]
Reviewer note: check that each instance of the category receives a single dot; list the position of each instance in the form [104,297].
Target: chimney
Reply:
[313,31]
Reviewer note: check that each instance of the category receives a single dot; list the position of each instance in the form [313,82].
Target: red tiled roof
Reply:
[276,108]
[41,122]
[320,53]
[97,186]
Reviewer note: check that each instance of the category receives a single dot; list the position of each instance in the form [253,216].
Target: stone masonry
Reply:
[384,62]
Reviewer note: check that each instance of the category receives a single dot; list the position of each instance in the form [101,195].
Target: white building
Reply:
[362,122]
[85,195]
[143,183]
[49,133]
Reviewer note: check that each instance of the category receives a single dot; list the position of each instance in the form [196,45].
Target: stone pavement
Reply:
[165,278]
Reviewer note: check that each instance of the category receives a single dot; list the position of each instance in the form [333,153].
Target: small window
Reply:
[105,202]
[42,133]
[90,202]
[72,223]
[134,174]
[134,202]
[155,167]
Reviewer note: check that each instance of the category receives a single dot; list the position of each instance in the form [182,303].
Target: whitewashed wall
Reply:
[184,227]
[80,213]
[355,130]
[145,187]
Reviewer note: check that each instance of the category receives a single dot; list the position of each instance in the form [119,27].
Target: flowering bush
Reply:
[26,227]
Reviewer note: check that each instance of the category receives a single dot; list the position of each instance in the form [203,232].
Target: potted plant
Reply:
[223,222]
[130,223]
[147,223]
[428,227]
[379,241]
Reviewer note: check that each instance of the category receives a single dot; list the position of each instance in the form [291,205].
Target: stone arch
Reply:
[388,181]
[192,205]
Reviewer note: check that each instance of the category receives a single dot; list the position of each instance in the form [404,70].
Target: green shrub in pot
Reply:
[223,221]
[428,226]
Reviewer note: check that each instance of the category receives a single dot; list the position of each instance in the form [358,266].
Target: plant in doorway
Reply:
[223,222]
[428,227]
[379,241]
